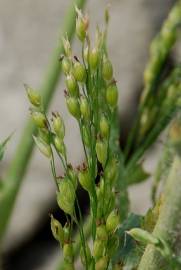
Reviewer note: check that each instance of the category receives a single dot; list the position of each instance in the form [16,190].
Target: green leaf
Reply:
[3,145]
[129,252]
[137,175]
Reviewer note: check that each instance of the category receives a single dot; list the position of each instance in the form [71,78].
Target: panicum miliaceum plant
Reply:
[91,98]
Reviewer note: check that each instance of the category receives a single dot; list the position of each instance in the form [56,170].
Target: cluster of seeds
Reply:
[91,97]
[160,48]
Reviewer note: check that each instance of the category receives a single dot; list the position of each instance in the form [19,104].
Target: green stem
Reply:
[81,133]
[81,231]
[78,242]
[64,164]
[52,163]
[19,164]
[169,222]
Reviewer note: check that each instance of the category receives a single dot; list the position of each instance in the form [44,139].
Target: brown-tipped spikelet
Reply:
[57,230]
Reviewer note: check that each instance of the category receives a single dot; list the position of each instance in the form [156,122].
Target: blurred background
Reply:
[29,30]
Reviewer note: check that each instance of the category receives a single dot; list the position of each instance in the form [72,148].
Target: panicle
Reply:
[44,148]
[67,47]
[33,96]
[82,23]
[58,125]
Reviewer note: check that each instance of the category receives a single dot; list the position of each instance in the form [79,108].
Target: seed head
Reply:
[57,230]
[72,85]
[45,135]
[58,125]
[101,151]
[39,119]
[33,96]
[112,221]
[82,23]
[94,58]
[79,72]
[104,127]
[101,233]
[107,69]
[143,236]
[43,146]
[66,65]
[86,54]
[66,45]
[60,146]
[73,107]
[72,174]
[85,179]
[66,196]
[112,95]
[84,108]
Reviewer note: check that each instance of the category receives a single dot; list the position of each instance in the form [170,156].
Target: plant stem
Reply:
[81,232]
[52,163]
[168,226]
[77,240]
[19,164]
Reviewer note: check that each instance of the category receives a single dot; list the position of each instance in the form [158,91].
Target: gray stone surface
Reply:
[28,31]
